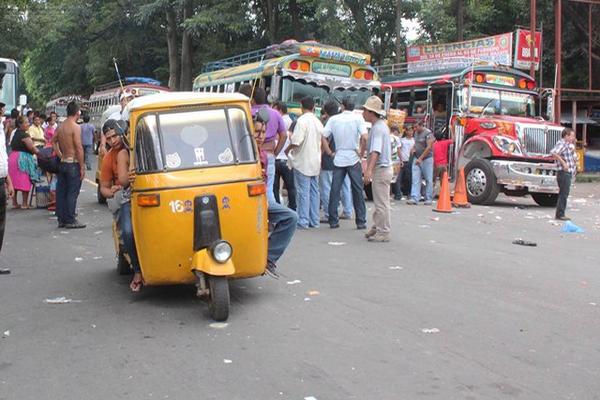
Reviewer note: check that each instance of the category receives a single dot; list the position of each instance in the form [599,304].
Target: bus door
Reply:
[440,107]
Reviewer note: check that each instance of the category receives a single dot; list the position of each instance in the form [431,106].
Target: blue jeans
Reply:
[270,178]
[325,180]
[307,199]
[123,216]
[2,209]
[340,174]
[88,152]
[67,191]
[284,221]
[423,171]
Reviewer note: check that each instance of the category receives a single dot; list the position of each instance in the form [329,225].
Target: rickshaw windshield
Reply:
[193,139]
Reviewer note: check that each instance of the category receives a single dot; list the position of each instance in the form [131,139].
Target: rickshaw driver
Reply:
[282,218]
[114,177]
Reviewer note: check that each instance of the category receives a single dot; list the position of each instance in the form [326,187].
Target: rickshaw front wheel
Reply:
[218,303]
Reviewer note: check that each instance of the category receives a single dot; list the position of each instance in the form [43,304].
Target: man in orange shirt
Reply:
[114,183]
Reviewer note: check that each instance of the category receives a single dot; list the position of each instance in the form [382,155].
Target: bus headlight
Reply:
[507,145]
[221,251]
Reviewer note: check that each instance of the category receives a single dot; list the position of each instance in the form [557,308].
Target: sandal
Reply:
[137,283]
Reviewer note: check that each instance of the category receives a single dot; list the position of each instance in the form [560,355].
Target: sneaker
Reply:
[563,218]
[271,269]
[334,226]
[75,225]
[346,216]
[379,238]
[412,202]
[301,227]
[361,227]
[61,225]
[428,203]
[372,232]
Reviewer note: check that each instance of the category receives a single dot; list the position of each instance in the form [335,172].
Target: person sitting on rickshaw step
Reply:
[114,183]
[282,218]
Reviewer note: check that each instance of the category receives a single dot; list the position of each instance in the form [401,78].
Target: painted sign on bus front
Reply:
[523,49]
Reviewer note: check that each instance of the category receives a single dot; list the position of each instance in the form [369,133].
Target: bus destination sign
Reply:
[335,54]
[331,69]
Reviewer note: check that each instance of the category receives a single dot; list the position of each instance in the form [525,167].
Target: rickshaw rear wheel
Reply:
[218,303]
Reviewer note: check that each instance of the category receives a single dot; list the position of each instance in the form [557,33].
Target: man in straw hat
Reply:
[379,169]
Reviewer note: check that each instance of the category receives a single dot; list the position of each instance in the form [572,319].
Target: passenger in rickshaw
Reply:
[282,218]
[114,184]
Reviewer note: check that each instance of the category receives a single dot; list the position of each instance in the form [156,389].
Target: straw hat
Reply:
[375,104]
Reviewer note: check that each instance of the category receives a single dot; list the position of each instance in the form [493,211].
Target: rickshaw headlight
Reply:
[221,251]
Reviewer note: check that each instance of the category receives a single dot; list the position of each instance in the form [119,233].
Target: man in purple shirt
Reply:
[275,136]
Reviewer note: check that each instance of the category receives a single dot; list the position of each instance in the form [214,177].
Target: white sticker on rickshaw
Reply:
[199,153]
[173,160]
[226,157]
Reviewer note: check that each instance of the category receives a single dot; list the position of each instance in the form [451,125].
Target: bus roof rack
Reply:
[128,80]
[441,64]
[240,59]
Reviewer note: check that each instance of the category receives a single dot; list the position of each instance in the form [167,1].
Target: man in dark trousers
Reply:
[566,160]
[6,187]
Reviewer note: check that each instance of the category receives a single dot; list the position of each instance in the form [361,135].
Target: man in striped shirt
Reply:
[566,160]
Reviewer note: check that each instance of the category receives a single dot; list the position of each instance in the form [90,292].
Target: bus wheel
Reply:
[545,199]
[481,182]
[218,302]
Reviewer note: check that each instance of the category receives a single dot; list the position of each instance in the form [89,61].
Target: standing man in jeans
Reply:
[379,171]
[71,169]
[305,158]
[422,165]
[566,160]
[87,141]
[282,170]
[348,130]
[5,183]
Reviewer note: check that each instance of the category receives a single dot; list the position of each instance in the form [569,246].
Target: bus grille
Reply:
[539,140]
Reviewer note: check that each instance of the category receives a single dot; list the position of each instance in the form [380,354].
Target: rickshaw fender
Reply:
[203,262]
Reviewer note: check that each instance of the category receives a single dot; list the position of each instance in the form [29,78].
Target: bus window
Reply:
[420,103]
[401,100]
[359,96]
[294,91]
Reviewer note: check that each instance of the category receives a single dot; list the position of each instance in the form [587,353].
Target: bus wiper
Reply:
[486,106]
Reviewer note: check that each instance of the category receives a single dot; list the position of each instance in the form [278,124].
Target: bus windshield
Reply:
[8,93]
[493,101]
[293,91]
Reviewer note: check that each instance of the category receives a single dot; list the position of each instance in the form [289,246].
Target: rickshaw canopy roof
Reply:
[169,99]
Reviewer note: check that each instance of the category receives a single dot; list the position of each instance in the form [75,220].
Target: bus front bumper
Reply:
[536,177]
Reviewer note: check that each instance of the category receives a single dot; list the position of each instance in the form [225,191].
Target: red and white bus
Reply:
[500,139]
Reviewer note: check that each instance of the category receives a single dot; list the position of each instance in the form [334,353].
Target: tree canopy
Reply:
[67,47]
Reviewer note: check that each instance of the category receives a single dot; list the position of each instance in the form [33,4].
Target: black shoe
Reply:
[75,225]
[563,218]
[61,226]
[272,269]
[334,226]
[361,227]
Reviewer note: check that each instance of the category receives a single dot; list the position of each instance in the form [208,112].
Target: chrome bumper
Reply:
[536,177]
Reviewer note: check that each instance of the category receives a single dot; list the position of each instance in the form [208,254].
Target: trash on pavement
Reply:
[226,361]
[61,300]
[78,259]
[4,271]
[522,242]
[6,334]
[430,330]
[435,218]
[396,267]
[218,325]
[310,398]
[294,282]
[313,293]
[336,243]
[570,227]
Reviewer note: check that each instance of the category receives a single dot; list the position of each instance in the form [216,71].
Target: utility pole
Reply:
[532,38]
[557,55]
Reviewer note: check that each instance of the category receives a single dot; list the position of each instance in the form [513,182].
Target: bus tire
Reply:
[545,199]
[481,182]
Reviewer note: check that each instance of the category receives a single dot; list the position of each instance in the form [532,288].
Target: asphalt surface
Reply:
[450,309]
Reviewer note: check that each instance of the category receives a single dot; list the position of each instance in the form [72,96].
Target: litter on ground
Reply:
[430,330]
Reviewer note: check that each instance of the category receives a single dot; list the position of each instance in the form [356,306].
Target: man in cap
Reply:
[379,169]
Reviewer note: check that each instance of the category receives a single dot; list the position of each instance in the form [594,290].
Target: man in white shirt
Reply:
[304,156]
[348,130]
[5,183]
[282,170]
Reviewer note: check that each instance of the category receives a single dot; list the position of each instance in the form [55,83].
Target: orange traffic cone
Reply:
[460,191]
[444,205]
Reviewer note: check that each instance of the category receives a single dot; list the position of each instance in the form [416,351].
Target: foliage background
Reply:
[67,46]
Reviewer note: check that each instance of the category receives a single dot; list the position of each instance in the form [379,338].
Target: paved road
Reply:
[449,310]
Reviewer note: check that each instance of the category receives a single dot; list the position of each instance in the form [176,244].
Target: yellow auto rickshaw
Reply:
[198,204]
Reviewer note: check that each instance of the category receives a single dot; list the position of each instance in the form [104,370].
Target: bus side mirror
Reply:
[22,99]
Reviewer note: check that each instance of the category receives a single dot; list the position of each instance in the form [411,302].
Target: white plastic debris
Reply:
[219,325]
[498,217]
[396,267]
[6,334]
[97,232]
[307,299]
[310,398]
[593,304]
[435,218]
[336,243]
[430,330]
[98,258]
[226,361]
[580,201]
[61,300]
[294,282]
[78,259]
